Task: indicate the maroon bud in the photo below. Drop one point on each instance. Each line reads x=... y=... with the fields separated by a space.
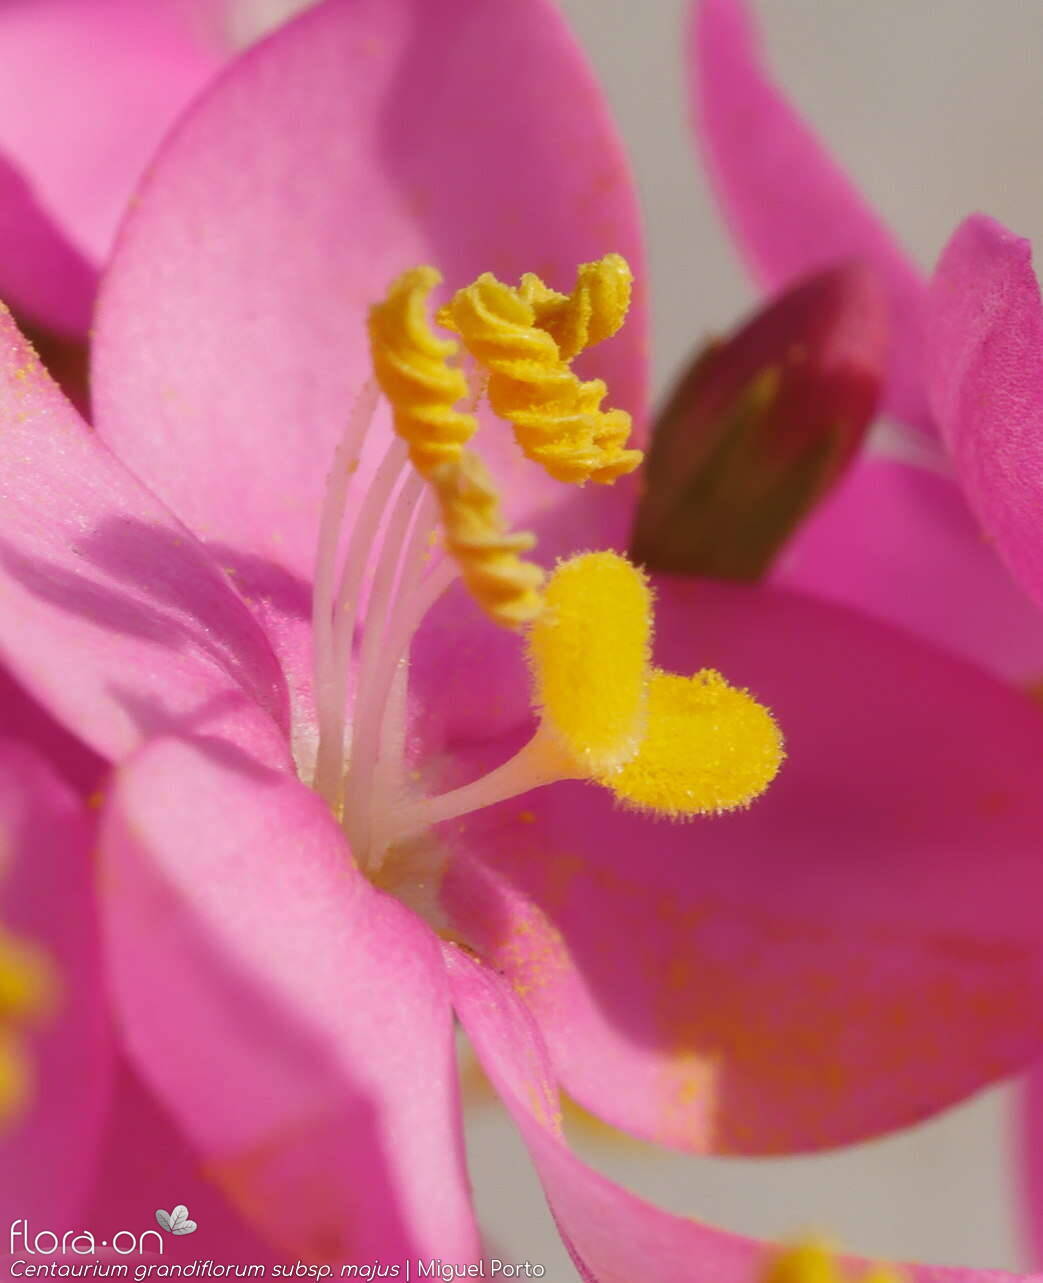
x=761 y=426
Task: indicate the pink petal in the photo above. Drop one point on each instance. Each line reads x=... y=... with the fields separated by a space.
x=361 y=139
x=899 y=542
x=42 y=274
x=23 y=718
x=87 y=93
x=985 y=363
x=613 y=1236
x=245 y=949
x=794 y=976
x=46 y=892
x=789 y=206
x=145 y=1164
x=113 y=616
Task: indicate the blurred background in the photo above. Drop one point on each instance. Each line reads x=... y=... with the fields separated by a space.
x=936 y=108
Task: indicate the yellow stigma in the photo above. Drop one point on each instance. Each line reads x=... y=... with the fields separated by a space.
x=812 y=1262
x=710 y=748
x=677 y=746
x=589 y=653
x=26 y=993
x=515 y=334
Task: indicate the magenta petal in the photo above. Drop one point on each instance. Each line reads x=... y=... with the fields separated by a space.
x=113 y=616
x=794 y=976
x=613 y=1236
x=790 y=208
x=293 y=1020
x=46 y=896
x=900 y=542
x=364 y=138
x=89 y=87
x=985 y=363
x=42 y=275
x=147 y=1163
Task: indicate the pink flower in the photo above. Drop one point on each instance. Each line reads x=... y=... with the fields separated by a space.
x=895 y=539
x=791 y=976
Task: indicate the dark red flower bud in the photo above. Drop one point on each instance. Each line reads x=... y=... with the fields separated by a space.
x=761 y=426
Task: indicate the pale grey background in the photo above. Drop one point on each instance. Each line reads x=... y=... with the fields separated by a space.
x=936 y=106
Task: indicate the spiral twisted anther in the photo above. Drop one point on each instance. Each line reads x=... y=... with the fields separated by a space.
x=412 y=366
x=557 y=418
x=489 y=556
x=593 y=312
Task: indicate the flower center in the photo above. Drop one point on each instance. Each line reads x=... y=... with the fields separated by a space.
x=26 y=991
x=669 y=744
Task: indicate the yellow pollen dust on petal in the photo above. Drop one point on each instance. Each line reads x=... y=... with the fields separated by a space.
x=27 y=990
x=710 y=747
x=811 y=1261
x=414 y=370
x=526 y=338
x=589 y=654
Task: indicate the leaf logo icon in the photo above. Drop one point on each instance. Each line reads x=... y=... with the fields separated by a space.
x=177 y=1221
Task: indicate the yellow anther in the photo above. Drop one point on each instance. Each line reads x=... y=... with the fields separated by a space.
x=812 y=1262
x=412 y=366
x=593 y=312
x=26 y=994
x=678 y=746
x=501 y=581
x=589 y=653
x=414 y=370
x=558 y=420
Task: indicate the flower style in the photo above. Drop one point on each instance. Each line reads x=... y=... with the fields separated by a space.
x=788 y=976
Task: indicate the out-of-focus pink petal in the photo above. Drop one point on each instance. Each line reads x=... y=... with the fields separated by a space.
x=42 y=275
x=293 y=1020
x=46 y=896
x=794 y=976
x=146 y=1163
x=88 y=90
x=985 y=369
x=361 y=139
x=111 y=613
x=898 y=540
x=613 y=1236
x=789 y=206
